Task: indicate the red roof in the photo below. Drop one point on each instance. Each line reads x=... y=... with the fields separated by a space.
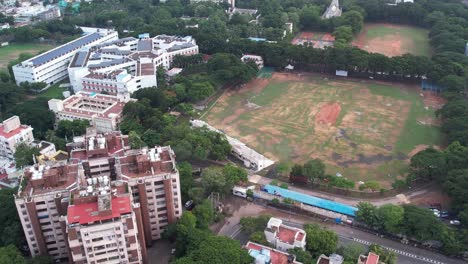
x=88 y=212
x=372 y=258
x=277 y=257
x=287 y=235
x=13 y=132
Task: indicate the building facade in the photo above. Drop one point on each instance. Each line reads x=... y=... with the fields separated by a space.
x=102 y=224
x=51 y=67
x=105 y=205
x=12 y=133
x=40 y=202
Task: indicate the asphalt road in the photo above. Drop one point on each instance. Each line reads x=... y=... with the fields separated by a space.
x=406 y=254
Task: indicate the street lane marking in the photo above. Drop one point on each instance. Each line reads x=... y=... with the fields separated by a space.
x=400 y=252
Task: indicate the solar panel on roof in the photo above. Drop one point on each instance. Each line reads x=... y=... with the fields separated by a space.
x=80 y=58
x=41 y=59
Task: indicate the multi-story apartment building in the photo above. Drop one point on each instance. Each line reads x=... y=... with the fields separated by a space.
x=104 y=224
x=11 y=134
x=154 y=180
x=103 y=112
x=126 y=65
x=139 y=189
x=51 y=66
x=41 y=200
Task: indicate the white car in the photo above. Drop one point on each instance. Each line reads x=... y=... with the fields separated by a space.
x=454 y=222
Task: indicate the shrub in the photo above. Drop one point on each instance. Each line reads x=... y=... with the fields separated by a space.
x=274 y=182
x=284 y=186
x=288 y=201
x=275 y=201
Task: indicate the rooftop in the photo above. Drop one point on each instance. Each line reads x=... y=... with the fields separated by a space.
x=64 y=49
x=12 y=127
x=285 y=233
x=261 y=252
x=147 y=162
x=87 y=213
x=43 y=179
x=89 y=104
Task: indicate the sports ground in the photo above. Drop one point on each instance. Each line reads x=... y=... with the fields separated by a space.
x=393 y=40
x=362 y=129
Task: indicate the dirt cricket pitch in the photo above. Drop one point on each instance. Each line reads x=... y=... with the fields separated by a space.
x=361 y=129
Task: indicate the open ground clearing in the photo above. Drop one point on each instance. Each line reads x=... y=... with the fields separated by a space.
x=393 y=40
x=364 y=130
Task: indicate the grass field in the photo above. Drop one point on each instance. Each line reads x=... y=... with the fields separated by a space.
x=361 y=129
x=12 y=51
x=394 y=40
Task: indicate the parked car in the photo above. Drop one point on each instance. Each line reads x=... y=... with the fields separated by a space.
x=189 y=205
x=454 y=222
x=444 y=214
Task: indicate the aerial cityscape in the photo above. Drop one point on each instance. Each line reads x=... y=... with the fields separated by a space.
x=237 y=132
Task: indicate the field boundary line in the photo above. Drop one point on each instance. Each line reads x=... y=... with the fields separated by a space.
x=212 y=105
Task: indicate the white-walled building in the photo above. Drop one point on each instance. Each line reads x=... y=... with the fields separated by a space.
x=51 y=66
x=255 y=58
x=126 y=65
x=251 y=158
x=12 y=132
x=333 y=10
x=266 y=255
x=104 y=112
x=284 y=237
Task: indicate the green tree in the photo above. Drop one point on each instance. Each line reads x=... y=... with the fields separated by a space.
x=391 y=217
x=463 y=215
x=186 y=178
x=421 y=223
x=367 y=214
x=213 y=180
x=251 y=225
x=69 y=129
x=197 y=194
x=320 y=241
x=351 y=251
x=344 y=34
x=218 y=250
x=301 y=255
x=428 y=164
x=135 y=140
x=10 y=254
x=456 y=185
x=314 y=169
x=297 y=170
x=11 y=231
x=354 y=20
x=24 y=154
x=204 y=213
x=258 y=237
x=234 y=174
x=385 y=256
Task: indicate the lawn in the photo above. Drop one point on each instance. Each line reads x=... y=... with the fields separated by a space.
x=53 y=92
x=12 y=51
x=361 y=129
x=394 y=40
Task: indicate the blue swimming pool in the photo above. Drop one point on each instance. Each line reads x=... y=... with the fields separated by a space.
x=312 y=200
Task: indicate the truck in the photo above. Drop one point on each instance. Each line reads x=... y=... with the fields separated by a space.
x=241 y=191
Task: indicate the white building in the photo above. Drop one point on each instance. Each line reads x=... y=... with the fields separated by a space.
x=255 y=58
x=51 y=66
x=126 y=65
x=333 y=10
x=251 y=158
x=266 y=255
x=104 y=112
x=284 y=237
x=11 y=134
